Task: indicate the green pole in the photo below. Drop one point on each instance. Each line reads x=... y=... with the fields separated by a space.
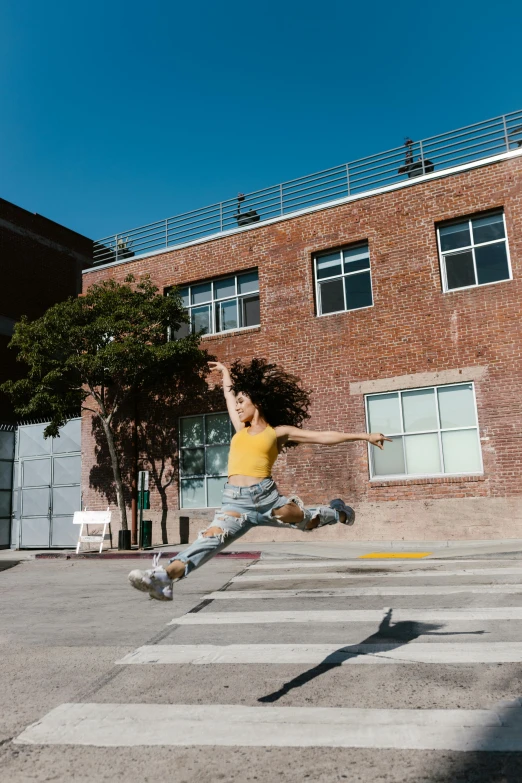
x=140 y=507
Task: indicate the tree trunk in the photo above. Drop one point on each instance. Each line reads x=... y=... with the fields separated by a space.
x=116 y=473
x=164 y=510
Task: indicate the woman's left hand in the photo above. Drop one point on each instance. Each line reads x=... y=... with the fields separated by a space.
x=377 y=439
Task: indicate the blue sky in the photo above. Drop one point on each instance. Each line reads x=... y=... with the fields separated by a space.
x=116 y=114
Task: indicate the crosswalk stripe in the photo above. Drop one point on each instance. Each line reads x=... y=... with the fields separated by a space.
x=269 y=565
x=350 y=616
x=130 y=725
x=387 y=575
x=414 y=652
x=342 y=592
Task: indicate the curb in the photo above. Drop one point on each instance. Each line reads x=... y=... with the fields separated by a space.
x=142 y=555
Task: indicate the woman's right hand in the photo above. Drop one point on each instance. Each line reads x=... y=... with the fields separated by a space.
x=216 y=366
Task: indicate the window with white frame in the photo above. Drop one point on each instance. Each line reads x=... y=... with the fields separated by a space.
x=474 y=252
x=343 y=280
x=204 y=442
x=222 y=305
x=434 y=431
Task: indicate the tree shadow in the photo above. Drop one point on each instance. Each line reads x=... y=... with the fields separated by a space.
x=387 y=637
x=492 y=755
x=157 y=413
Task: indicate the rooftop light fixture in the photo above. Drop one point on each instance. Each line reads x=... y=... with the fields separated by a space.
x=414 y=168
x=245 y=218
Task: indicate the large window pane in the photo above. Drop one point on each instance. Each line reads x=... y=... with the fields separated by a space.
x=422 y=453
x=332 y=296
x=183 y=331
x=226 y=315
x=207 y=464
x=456 y=406
x=459 y=269
x=356 y=258
x=193 y=462
x=419 y=411
x=384 y=414
x=193 y=493
x=217 y=459
x=492 y=263
x=452 y=237
x=247 y=284
x=201 y=293
x=461 y=451
x=358 y=291
x=390 y=461
x=251 y=315
x=489 y=228
x=218 y=428
x=215 y=491
x=201 y=319
x=225 y=288
x=192 y=431
x=329 y=266
x=184 y=292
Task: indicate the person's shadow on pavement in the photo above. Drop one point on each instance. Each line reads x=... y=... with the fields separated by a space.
x=387 y=637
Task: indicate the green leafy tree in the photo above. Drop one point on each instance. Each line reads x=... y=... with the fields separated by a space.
x=97 y=351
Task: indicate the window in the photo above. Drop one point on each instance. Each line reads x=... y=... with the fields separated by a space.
x=433 y=430
x=204 y=444
x=474 y=252
x=222 y=305
x=343 y=280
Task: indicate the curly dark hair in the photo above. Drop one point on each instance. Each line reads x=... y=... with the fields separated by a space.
x=277 y=394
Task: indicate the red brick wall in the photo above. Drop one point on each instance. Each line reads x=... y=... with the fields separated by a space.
x=412 y=328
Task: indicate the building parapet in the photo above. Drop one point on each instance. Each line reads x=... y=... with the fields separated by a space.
x=416 y=159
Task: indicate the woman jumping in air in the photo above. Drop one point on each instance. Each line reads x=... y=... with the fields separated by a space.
x=267 y=407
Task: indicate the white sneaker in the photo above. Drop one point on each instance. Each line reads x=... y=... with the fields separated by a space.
x=155 y=581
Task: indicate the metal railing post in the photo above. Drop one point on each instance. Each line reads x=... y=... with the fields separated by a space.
x=421 y=150
x=348 y=178
x=281 y=198
x=506 y=135
x=166 y=232
x=221 y=216
x=116 y=246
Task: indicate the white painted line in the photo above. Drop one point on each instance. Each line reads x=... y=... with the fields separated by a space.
x=414 y=652
x=131 y=725
x=350 y=616
x=389 y=575
x=267 y=565
x=342 y=592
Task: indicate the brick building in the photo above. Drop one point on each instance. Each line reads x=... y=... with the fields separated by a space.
x=41 y=264
x=397 y=301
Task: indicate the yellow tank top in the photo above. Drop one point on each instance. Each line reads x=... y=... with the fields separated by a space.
x=253 y=455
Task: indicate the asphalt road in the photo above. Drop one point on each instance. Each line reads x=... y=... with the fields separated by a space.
x=340 y=670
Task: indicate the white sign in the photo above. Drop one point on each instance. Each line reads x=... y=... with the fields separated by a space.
x=86 y=518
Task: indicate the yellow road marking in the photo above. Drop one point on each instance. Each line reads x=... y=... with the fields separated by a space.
x=383 y=555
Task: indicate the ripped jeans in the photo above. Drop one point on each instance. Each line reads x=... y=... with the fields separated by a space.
x=255 y=504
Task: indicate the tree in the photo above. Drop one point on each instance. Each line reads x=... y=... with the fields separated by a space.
x=96 y=352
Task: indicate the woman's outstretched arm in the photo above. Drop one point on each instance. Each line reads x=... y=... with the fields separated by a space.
x=329 y=438
x=230 y=397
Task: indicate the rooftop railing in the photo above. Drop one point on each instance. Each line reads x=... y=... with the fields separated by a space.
x=413 y=159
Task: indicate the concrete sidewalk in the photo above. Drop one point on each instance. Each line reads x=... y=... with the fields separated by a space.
x=348 y=550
